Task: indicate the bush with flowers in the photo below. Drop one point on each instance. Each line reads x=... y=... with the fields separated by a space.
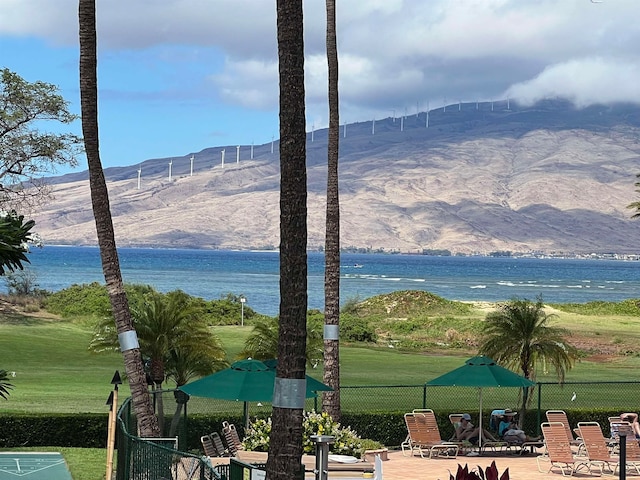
x=346 y=441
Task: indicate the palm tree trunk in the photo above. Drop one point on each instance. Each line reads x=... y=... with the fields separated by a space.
x=331 y=400
x=285 y=449
x=141 y=400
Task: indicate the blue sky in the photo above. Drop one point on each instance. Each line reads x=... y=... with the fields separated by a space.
x=177 y=76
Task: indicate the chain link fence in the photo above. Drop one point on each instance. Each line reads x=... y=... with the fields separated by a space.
x=199 y=416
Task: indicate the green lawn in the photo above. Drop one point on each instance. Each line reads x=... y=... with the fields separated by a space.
x=56 y=373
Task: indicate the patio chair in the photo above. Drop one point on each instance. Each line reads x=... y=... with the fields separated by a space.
x=423 y=433
x=614 y=425
x=559 y=453
x=596 y=447
x=561 y=416
x=231 y=438
x=498 y=445
x=217 y=443
x=633 y=447
x=208 y=446
x=454 y=418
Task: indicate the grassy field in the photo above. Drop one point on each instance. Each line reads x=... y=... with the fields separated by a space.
x=55 y=372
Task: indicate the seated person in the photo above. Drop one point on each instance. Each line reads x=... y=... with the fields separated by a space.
x=467 y=431
x=632 y=418
x=509 y=431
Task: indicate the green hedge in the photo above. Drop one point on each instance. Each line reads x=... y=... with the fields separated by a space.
x=90 y=430
x=54 y=430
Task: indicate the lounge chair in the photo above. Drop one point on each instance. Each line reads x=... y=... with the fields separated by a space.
x=423 y=433
x=454 y=418
x=596 y=447
x=208 y=446
x=559 y=453
x=519 y=446
x=231 y=438
x=561 y=416
x=633 y=447
x=217 y=443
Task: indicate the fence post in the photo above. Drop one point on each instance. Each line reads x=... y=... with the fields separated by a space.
x=539 y=414
x=424 y=396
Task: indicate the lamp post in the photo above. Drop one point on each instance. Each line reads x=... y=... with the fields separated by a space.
x=242 y=301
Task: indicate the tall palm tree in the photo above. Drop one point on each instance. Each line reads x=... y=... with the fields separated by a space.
x=519 y=336
x=5 y=386
x=147 y=421
x=331 y=400
x=285 y=448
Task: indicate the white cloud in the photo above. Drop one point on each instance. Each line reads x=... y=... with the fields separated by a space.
x=249 y=83
x=584 y=81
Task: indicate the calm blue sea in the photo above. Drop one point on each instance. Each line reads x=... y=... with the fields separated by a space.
x=211 y=274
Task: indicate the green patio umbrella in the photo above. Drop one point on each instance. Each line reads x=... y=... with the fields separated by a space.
x=481 y=372
x=313 y=385
x=245 y=381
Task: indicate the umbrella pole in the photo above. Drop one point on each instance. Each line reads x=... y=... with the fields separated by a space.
x=480 y=422
x=246 y=416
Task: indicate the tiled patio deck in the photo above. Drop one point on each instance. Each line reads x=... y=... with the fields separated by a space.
x=524 y=467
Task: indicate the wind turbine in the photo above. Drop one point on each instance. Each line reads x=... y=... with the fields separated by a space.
x=222 y=153
x=427 y=121
x=251 y=149
x=170 y=163
x=272 y=144
x=139 y=172
x=191 y=171
x=373 y=127
x=237 y=154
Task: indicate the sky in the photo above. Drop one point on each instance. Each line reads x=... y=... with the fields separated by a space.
x=178 y=76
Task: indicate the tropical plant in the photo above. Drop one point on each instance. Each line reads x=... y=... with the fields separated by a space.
x=519 y=336
x=285 y=449
x=174 y=341
x=262 y=343
x=331 y=377
x=5 y=386
x=15 y=234
x=491 y=473
x=142 y=406
x=347 y=442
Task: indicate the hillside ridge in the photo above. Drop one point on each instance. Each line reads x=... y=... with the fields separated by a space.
x=547 y=178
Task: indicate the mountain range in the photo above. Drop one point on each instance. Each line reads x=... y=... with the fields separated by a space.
x=470 y=178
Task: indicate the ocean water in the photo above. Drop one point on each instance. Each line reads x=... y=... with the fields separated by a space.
x=211 y=274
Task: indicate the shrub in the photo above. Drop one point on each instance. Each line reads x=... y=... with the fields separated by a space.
x=354 y=329
x=346 y=441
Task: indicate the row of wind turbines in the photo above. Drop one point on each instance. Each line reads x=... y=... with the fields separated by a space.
x=373 y=131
